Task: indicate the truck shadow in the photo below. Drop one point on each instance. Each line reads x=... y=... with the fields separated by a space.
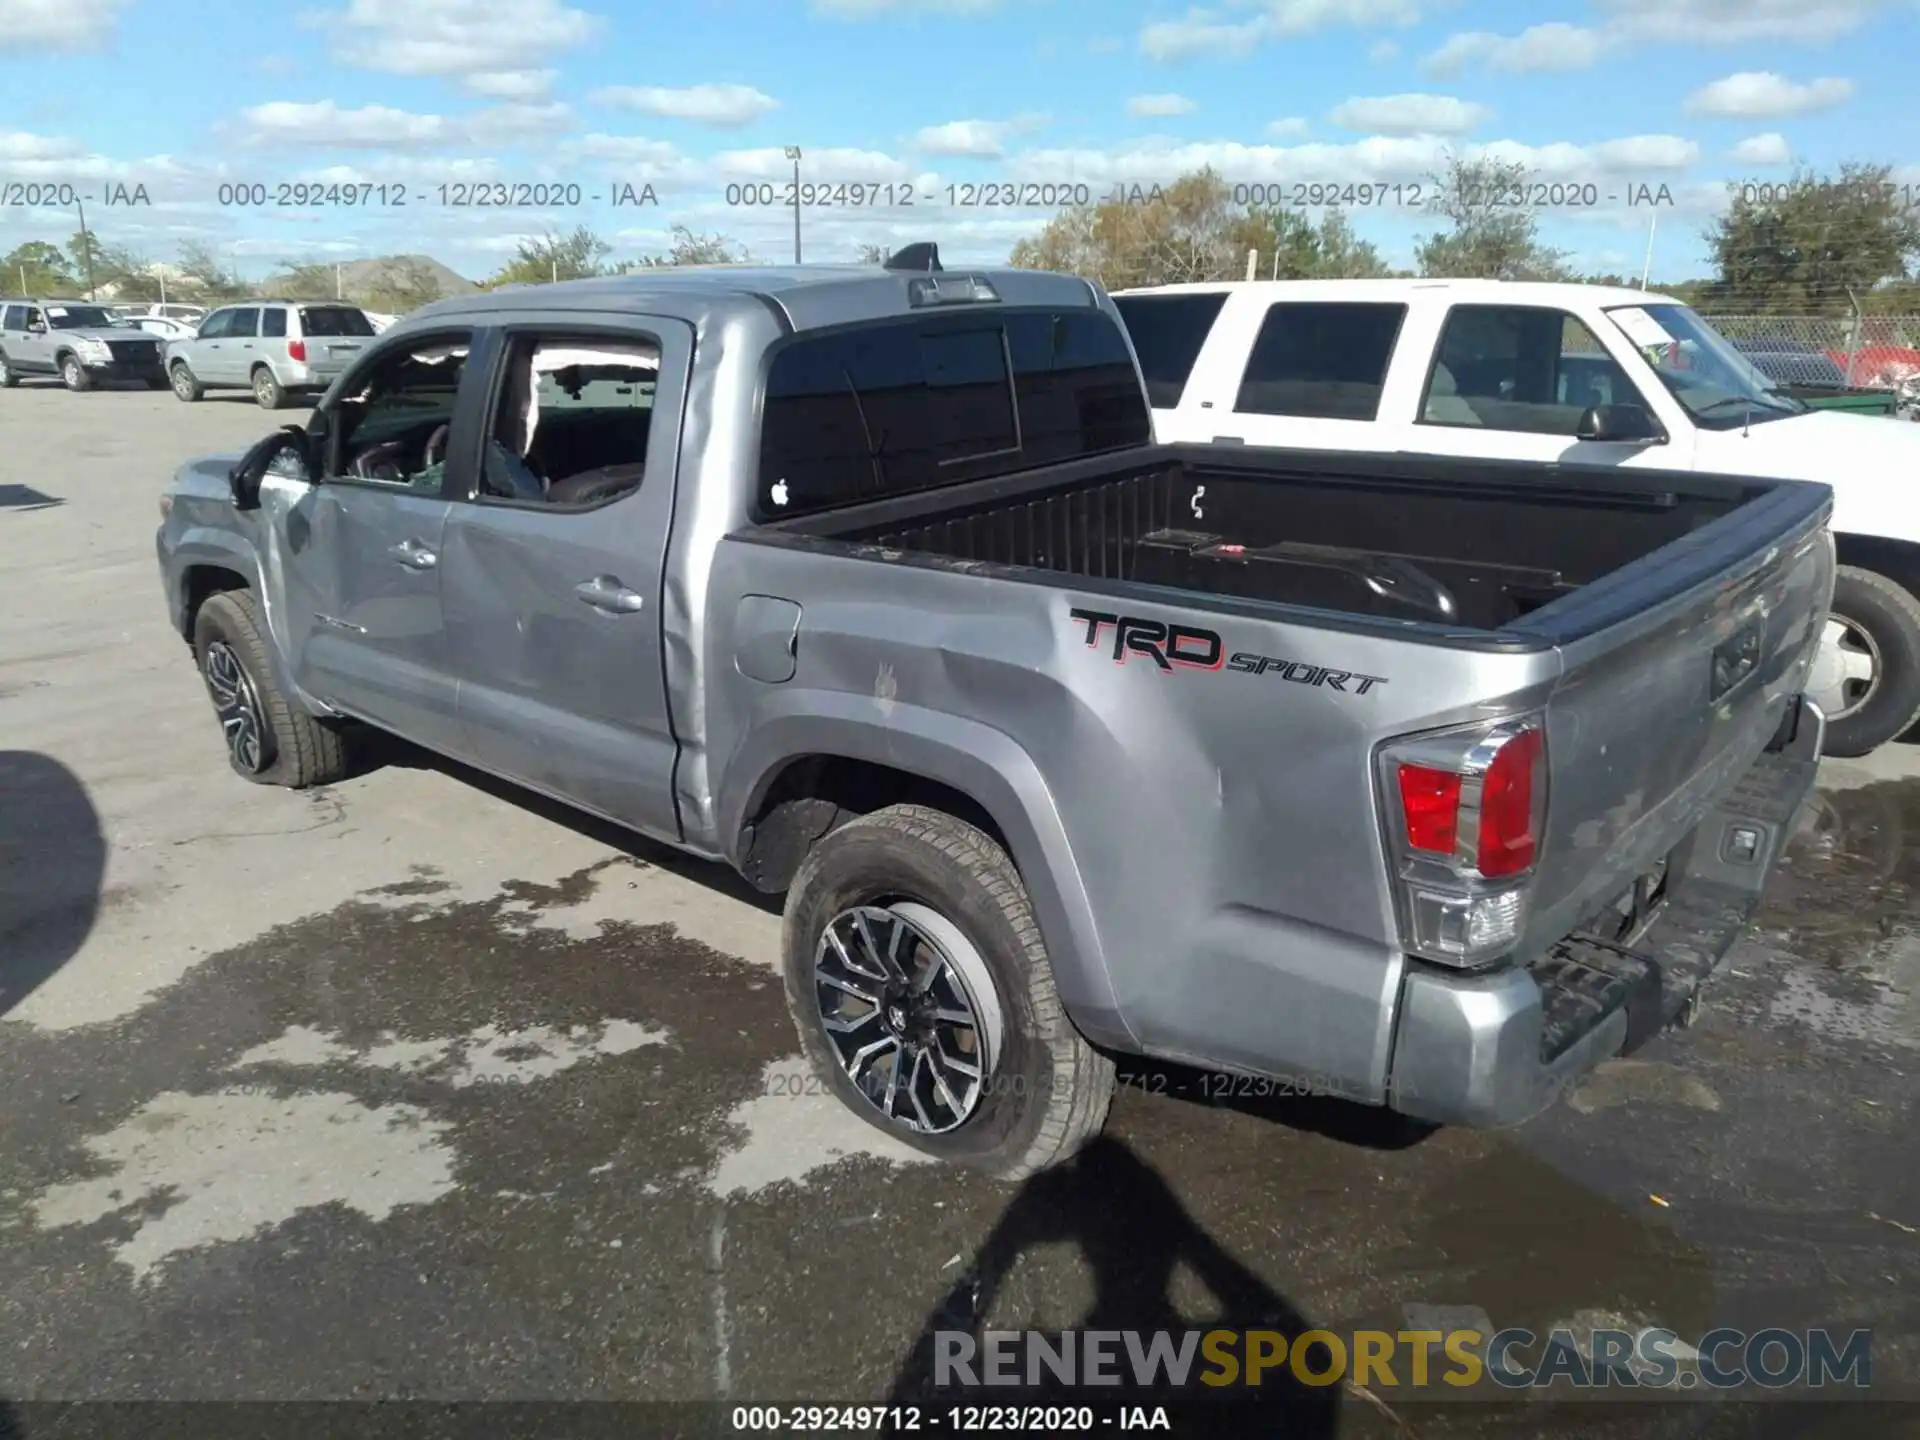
x=1278 y=1102
x=379 y=749
x=53 y=861
x=1133 y=1235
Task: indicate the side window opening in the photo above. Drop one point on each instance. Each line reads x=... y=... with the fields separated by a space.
x=1320 y=360
x=395 y=426
x=1168 y=332
x=572 y=422
x=1532 y=371
x=273 y=322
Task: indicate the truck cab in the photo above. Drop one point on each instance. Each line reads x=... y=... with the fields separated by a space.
x=1555 y=374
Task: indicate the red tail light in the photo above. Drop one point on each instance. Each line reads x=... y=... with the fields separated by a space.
x=1507 y=842
x=1471 y=804
x=1430 y=800
x=297 y=350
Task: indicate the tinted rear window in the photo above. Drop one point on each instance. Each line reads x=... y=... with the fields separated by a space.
x=273 y=322
x=1324 y=361
x=334 y=320
x=904 y=406
x=1167 y=333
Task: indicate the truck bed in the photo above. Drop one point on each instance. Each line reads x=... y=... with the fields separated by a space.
x=1465 y=544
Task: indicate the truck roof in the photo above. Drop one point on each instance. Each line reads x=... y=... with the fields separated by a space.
x=806 y=296
x=1493 y=292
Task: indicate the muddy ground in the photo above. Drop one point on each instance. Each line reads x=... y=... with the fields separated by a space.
x=415 y=1088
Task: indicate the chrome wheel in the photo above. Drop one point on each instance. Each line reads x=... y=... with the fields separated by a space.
x=1846 y=668
x=237 y=705
x=263 y=390
x=910 y=1011
x=6 y=375
x=182 y=382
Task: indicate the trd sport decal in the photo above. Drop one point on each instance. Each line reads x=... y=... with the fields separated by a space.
x=1191 y=648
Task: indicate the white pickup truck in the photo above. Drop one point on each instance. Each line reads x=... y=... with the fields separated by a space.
x=1572 y=373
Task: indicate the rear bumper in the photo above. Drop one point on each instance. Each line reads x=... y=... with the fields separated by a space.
x=1496 y=1049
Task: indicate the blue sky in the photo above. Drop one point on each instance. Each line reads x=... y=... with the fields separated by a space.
x=694 y=96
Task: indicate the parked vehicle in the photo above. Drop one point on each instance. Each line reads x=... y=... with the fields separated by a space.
x=1555 y=374
x=379 y=321
x=79 y=342
x=1432 y=783
x=1817 y=381
x=166 y=329
x=276 y=348
x=188 y=315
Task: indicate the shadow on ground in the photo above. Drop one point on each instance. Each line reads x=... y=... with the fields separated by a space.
x=53 y=860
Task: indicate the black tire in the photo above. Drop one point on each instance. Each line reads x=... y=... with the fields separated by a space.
x=185 y=387
x=9 y=377
x=74 y=375
x=268 y=392
x=1047 y=1091
x=1890 y=617
x=294 y=749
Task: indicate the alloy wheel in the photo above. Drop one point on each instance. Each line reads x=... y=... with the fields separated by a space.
x=908 y=1006
x=237 y=704
x=1846 y=668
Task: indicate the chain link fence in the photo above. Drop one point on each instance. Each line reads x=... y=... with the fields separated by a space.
x=1875 y=352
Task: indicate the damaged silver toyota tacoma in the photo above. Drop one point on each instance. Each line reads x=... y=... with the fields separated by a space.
x=1429 y=782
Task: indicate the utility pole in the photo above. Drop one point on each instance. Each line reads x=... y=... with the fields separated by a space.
x=86 y=245
x=1646 y=269
x=793 y=154
x=338 y=283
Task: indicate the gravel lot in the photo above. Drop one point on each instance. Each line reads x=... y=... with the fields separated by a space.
x=416 y=1087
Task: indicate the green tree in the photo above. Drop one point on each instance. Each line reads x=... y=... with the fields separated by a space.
x=692 y=248
x=1190 y=230
x=132 y=276
x=304 y=281
x=405 y=283
x=212 y=278
x=578 y=256
x=37 y=268
x=1490 y=237
x=1814 y=243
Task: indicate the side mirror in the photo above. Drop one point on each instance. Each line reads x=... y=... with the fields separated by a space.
x=1618 y=425
x=285 y=452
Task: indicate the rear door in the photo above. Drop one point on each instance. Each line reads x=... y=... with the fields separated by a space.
x=239 y=347
x=334 y=336
x=1306 y=373
x=207 y=351
x=554 y=563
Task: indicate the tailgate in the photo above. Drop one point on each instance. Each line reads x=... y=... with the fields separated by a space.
x=330 y=357
x=1678 y=671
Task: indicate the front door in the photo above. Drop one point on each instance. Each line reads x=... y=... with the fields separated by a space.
x=31 y=346
x=552 y=568
x=363 y=547
x=235 y=351
x=1511 y=382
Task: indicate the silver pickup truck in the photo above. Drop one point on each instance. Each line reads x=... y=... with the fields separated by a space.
x=1424 y=782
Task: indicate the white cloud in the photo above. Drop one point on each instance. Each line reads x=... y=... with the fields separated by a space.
x=72 y=26
x=1768 y=149
x=1557 y=46
x=453 y=37
x=869 y=9
x=1764 y=95
x=1291 y=127
x=510 y=84
x=320 y=125
x=20 y=145
x=727 y=106
x=1145 y=105
x=1207 y=32
x=1410 y=115
x=1381 y=51
x=986 y=138
x=1539 y=48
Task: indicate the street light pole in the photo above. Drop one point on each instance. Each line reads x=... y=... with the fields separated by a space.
x=793 y=154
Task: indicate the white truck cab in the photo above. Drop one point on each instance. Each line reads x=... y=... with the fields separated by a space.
x=1584 y=374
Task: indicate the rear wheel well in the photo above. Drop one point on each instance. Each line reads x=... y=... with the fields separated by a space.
x=200 y=584
x=1898 y=560
x=817 y=793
